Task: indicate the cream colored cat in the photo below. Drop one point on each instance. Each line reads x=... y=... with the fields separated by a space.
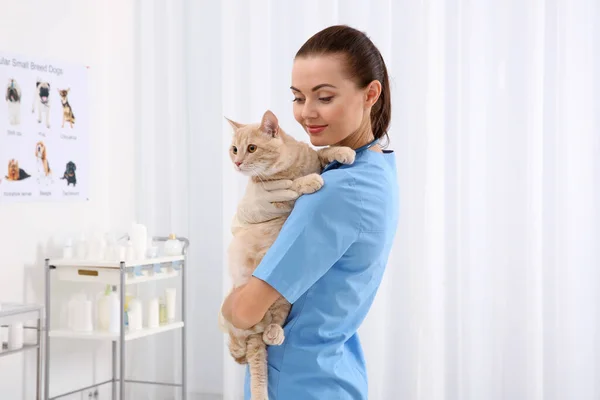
x=287 y=168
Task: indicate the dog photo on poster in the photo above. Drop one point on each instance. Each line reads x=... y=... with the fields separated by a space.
x=43 y=130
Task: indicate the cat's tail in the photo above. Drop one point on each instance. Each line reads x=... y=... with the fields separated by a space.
x=256 y=354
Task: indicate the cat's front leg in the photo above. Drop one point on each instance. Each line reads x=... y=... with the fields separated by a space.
x=276 y=184
x=265 y=201
x=304 y=185
x=307 y=184
x=341 y=154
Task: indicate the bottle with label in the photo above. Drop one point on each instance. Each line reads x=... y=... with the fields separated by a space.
x=162 y=315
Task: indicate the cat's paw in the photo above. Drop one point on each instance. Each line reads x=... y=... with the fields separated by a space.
x=344 y=155
x=308 y=184
x=273 y=335
x=283 y=206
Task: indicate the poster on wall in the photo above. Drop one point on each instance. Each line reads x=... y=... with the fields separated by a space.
x=44 y=132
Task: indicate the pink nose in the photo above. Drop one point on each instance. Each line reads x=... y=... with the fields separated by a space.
x=237 y=163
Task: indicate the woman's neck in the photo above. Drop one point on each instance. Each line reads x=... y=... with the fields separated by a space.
x=362 y=136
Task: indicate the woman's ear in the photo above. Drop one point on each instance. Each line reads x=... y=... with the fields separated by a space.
x=372 y=93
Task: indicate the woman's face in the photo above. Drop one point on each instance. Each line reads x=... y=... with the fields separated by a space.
x=329 y=106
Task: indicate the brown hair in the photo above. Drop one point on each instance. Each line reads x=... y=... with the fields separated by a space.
x=364 y=64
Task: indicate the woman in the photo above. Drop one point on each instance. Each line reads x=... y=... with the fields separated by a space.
x=330 y=255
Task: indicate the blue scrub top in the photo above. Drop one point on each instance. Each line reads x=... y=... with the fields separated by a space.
x=328 y=261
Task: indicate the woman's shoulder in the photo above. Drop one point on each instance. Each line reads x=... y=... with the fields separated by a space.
x=339 y=191
x=352 y=188
x=372 y=184
x=371 y=172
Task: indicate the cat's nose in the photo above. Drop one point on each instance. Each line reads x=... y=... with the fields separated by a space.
x=237 y=163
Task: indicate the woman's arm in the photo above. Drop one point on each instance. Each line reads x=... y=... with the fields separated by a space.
x=247 y=305
x=320 y=229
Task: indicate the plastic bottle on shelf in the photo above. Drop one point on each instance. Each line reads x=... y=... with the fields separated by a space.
x=139 y=239
x=130 y=252
x=135 y=315
x=115 y=311
x=81 y=248
x=162 y=318
x=104 y=310
x=68 y=249
x=173 y=246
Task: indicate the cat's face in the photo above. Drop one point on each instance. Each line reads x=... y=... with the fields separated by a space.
x=256 y=148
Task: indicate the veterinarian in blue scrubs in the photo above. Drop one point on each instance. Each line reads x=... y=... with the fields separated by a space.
x=331 y=254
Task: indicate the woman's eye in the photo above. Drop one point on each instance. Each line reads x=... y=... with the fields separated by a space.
x=326 y=99
x=234 y=149
x=252 y=148
x=298 y=100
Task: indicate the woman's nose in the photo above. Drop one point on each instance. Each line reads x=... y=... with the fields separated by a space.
x=309 y=112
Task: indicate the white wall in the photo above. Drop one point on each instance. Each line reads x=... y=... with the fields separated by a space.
x=98 y=34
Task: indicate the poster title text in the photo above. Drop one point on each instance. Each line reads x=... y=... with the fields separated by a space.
x=5 y=62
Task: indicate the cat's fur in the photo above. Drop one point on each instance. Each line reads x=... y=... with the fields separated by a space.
x=270 y=158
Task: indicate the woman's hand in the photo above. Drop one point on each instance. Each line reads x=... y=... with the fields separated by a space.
x=265 y=201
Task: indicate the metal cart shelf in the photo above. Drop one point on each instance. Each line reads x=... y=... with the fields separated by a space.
x=13 y=312
x=120 y=274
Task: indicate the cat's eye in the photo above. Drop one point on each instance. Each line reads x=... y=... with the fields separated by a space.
x=252 y=148
x=234 y=149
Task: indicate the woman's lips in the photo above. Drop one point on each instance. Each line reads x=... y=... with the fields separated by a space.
x=314 y=129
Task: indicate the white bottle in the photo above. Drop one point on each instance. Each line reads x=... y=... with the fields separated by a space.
x=130 y=252
x=135 y=315
x=139 y=239
x=115 y=312
x=152 y=319
x=172 y=246
x=171 y=297
x=15 y=336
x=68 y=249
x=103 y=311
x=81 y=248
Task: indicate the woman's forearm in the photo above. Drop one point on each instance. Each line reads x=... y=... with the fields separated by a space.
x=236 y=310
x=246 y=305
x=227 y=309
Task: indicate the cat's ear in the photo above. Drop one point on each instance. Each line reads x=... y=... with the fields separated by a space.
x=269 y=124
x=234 y=125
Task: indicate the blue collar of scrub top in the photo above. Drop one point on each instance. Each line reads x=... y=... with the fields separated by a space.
x=359 y=150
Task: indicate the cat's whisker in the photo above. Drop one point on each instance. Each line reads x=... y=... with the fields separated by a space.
x=256 y=172
x=260 y=175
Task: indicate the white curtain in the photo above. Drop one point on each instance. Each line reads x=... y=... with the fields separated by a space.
x=492 y=289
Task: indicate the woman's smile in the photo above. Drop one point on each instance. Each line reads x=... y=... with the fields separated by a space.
x=315 y=129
